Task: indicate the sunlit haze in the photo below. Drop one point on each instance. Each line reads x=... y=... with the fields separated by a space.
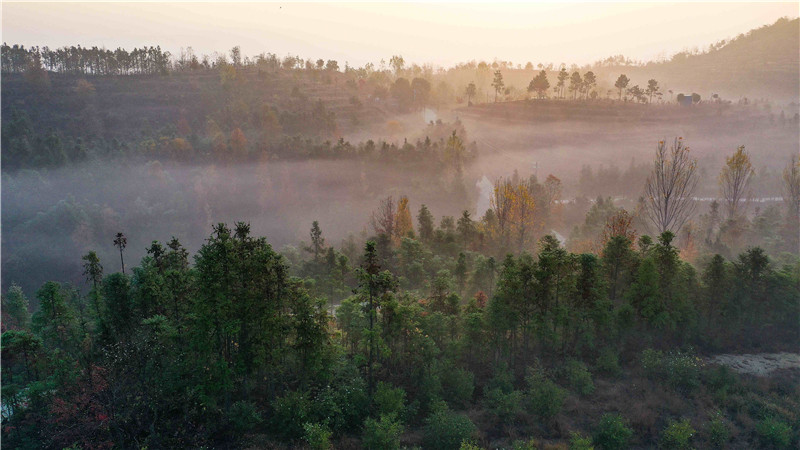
x=440 y=34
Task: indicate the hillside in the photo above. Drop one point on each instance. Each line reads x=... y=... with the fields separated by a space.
x=764 y=62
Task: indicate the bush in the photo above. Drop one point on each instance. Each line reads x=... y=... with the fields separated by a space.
x=774 y=433
x=382 y=434
x=469 y=445
x=608 y=363
x=612 y=433
x=544 y=398
x=290 y=412
x=680 y=370
x=244 y=416
x=578 y=377
x=445 y=429
x=677 y=435
x=718 y=432
x=505 y=406
x=524 y=445
x=317 y=435
x=458 y=386
x=578 y=441
x=390 y=400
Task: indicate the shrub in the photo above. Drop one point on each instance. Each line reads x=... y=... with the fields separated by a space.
x=677 y=435
x=290 y=412
x=530 y=444
x=382 y=434
x=608 y=363
x=544 y=397
x=774 y=433
x=445 y=429
x=718 y=432
x=680 y=370
x=612 y=433
x=458 y=386
x=317 y=435
x=390 y=400
x=469 y=445
x=506 y=406
x=579 y=378
x=244 y=416
x=578 y=441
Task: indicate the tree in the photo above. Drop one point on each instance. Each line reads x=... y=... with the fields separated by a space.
x=470 y=92
x=562 y=79
x=651 y=90
x=397 y=62
x=670 y=186
x=93 y=272
x=120 y=241
x=497 y=83
x=15 y=309
x=734 y=179
x=465 y=227
x=425 y=224
x=791 y=185
x=317 y=241
x=401 y=91
x=539 y=84
x=589 y=82
x=420 y=91
x=403 y=224
x=383 y=220
x=575 y=84
x=621 y=84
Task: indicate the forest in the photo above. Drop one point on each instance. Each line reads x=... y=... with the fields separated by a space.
x=256 y=251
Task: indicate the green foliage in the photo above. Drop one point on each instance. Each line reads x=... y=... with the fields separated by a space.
x=383 y=433
x=446 y=430
x=543 y=397
x=289 y=413
x=578 y=441
x=317 y=435
x=530 y=444
x=244 y=416
x=677 y=435
x=773 y=433
x=612 y=433
x=389 y=400
x=608 y=362
x=717 y=430
x=678 y=369
x=578 y=377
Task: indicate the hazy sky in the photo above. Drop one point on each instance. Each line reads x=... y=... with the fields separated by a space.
x=441 y=34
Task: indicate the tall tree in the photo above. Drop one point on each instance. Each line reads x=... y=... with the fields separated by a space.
x=670 y=186
x=575 y=84
x=589 y=82
x=791 y=185
x=317 y=246
x=425 y=224
x=93 y=272
x=562 y=80
x=497 y=83
x=120 y=241
x=470 y=91
x=403 y=224
x=621 y=84
x=651 y=90
x=734 y=179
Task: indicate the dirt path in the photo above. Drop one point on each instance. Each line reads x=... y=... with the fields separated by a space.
x=759 y=364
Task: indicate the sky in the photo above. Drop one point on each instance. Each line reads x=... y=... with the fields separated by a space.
x=441 y=34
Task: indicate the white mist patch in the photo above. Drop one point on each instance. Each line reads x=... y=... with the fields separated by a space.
x=486 y=189
x=429 y=115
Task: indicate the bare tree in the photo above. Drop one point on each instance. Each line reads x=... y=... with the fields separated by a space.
x=669 y=188
x=734 y=180
x=383 y=220
x=791 y=184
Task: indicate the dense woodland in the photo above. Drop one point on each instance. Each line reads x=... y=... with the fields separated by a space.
x=562 y=313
